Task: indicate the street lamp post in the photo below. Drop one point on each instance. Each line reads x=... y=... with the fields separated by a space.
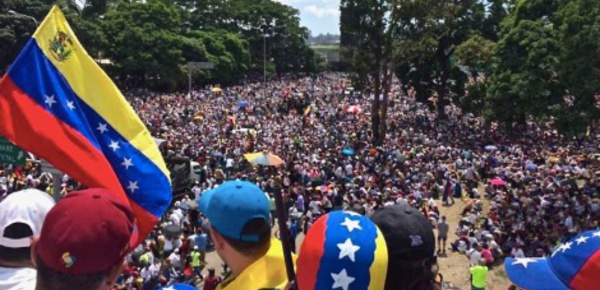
x=15 y=13
x=264 y=57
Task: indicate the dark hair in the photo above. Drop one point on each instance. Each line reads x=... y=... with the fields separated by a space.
x=420 y=278
x=51 y=279
x=15 y=254
x=16 y=231
x=256 y=226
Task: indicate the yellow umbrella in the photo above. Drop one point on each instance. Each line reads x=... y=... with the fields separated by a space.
x=264 y=158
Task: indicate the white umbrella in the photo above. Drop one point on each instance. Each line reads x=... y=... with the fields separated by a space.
x=490 y=148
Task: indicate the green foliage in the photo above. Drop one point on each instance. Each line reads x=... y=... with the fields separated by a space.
x=476 y=53
x=150 y=42
x=547 y=65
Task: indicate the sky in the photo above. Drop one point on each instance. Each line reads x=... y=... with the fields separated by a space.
x=320 y=16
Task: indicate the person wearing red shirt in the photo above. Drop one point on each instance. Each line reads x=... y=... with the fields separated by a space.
x=211 y=281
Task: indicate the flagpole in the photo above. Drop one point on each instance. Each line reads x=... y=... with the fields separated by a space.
x=284 y=231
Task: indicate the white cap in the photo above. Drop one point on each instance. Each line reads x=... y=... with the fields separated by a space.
x=29 y=207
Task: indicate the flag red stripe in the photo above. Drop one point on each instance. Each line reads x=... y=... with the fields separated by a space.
x=309 y=262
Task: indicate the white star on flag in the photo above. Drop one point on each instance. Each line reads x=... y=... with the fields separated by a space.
x=581 y=240
x=49 y=100
x=596 y=234
x=341 y=280
x=347 y=249
x=71 y=105
x=351 y=225
x=114 y=145
x=127 y=163
x=102 y=128
x=133 y=186
x=169 y=288
x=524 y=262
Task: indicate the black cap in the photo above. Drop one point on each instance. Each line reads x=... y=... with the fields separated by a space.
x=408 y=235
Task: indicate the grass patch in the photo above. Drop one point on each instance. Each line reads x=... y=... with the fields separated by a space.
x=325 y=47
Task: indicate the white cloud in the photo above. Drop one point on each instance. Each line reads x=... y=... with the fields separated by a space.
x=322 y=12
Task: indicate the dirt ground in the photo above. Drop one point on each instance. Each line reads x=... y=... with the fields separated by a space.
x=453 y=266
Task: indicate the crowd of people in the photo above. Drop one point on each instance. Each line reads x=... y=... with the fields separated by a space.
x=542 y=189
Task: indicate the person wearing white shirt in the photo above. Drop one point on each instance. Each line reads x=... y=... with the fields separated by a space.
x=174 y=258
x=517 y=252
x=474 y=255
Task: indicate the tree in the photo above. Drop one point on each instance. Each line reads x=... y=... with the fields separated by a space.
x=368 y=29
x=546 y=65
x=16 y=30
x=578 y=69
x=476 y=57
x=429 y=33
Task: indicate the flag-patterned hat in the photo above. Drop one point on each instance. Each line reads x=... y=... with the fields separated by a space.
x=342 y=250
x=574 y=265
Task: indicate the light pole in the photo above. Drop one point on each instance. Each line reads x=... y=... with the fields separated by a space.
x=15 y=13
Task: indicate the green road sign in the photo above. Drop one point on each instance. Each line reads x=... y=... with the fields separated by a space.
x=11 y=154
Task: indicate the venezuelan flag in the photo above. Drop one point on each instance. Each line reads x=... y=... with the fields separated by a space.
x=342 y=250
x=57 y=103
x=307 y=110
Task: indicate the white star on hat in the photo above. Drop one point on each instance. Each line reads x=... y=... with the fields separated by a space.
x=351 y=224
x=581 y=240
x=563 y=248
x=596 y=234
x=341 y=280
x=170 y=288
x=347 y=249
x=523 y=262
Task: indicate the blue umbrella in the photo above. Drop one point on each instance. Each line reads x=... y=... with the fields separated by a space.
x=243 y=104
x=179 y=286
x=531 y=166
x=348 y=152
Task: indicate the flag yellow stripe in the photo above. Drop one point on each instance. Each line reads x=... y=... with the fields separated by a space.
x=95 y=88
x=378 y=269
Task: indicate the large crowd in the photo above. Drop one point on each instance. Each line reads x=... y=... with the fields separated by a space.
x=540 y=188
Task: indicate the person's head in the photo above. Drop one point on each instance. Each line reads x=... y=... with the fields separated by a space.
x=411 y=246
x=238 y=213
x=22 y=214
x=83 y=242
x=342 y=244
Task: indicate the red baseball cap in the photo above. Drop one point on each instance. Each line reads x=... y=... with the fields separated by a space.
x=87 y=232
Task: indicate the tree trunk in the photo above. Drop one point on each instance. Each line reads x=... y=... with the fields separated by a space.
x=442 y=58
x=375 y=112
x=388 y=75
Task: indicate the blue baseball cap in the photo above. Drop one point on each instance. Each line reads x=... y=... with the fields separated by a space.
x=574 y=265
x=204 y=199
x=232 y=205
